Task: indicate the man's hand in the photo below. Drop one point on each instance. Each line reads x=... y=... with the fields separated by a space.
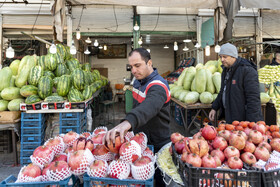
x=212 y=115
x=121 y=129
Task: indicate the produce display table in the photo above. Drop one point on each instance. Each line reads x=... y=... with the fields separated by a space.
x=201 y=110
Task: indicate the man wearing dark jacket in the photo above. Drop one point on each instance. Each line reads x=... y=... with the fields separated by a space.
x=276 y=60
x=239 y=96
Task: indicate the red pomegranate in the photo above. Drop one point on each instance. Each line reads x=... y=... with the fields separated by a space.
x=208 y=162
x=235 y=163
x=53 y=142
x=197 y=135
x=86 y=134
x=98 y=138
x=237 y=141
x=197 y=146
x=179 y=146
x=260 y=127
x=58 y=166
x=139 y=139
x=69 y=149
x=98 y=168
x=217 y=160
x=218 y=153
x=242 y=133
x=99 y=131
x=100 y=150
x=144 y=160
x=147 y=151
x=119 y=169
x=249 y=147
x=256 y=137
x=60 y=158
x=266 y=145
x=184 y=156
x=76 y=159
x=79 y=144
x=209 y=132
x=219 y=142
x=225 y=134
x=31 y=170
x=247 y=131
x=89 y=145
x=175 y=137
x=275 y=142
x=70 y=137
x=42 y=151
x=130 y=152
x=45 y=169
x=114 y=148
x=262 y=153
x=231 y=151
x=194 y=160
x=248 y=158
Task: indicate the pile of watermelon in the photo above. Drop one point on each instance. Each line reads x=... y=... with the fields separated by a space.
x=50 y=78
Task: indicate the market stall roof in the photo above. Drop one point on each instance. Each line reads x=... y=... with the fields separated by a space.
x=267 y=4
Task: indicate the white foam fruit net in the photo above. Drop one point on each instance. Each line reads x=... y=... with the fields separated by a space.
x=72 y=142
x=130 y=152
x=89 y=137
x=107 y=157
x=100 y=172
x=85 y=162
x=144 y=172
x=144 y=143
x=98 y=128
x=59 y=148
x=129 y=135
x=42 y=161
x=24 y=178
x=119 y=169
x=59 y=175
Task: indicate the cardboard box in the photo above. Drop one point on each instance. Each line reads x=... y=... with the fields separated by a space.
x=9 y=117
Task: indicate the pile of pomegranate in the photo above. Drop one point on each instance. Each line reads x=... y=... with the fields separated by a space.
x=73 y=153
x=231 y=146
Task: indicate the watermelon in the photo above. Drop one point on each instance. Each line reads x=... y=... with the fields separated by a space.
x=78 y=79
x=51 y=61
x=59 y=58
x=14 y=105
x=35 y=74
x=41 y=62
x=75 y=95
x=28 y=90
x=72 y=64
x=23 y=74
x=64 y=85
x=61 y=51
x=87 y=78
x=68 y=54
x=86 y=67
x=11 y=93
x=87 y=93
x=45 y=86
x=96 y=72
x=61 y=70
x=32 y=99
x=54 y=94
x=94 y=88
x=14 y=66
x=55 y=81
x=3 y=105
x=5 y=77
x=22 y=63
x=49 y=74
x=54 y=99
x=12 y=81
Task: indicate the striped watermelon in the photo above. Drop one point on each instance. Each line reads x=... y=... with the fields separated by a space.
x=49 y=74
x=61 y=70
x=96 y=72
x=68 y=54
x=61 y=51
x=55 y=81
x=72 y=64
x=28 y=90
x=51 y=61
x=94 y=88
x=87 y=93
x=86 y=67
x=41 y=62
x=78 y=79
x=32 y=99
x=54 y=99
x=75 y=95
x=35 y=74
x=45 y=86
x=87 y=78
x=59 y=58
x=64 y=85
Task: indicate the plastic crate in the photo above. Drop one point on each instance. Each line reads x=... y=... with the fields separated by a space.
x=73 y=115
x=32 y=130
x=71 y=181
x=194 y=176
x=26 y=150
x=24 y=160
x=77 y=129
x=33 y=138
x=6 y=145
x=32 y=117
x=271 y=178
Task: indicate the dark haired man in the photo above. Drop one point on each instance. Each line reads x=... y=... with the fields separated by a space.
x=151 y=112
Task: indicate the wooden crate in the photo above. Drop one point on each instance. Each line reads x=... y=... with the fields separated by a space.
x=9 y=117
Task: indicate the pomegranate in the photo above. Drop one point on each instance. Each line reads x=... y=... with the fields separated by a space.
x=256 y=137
x=100 y=150
x=53 y=142
x=208 y=162
x=119 y=169
x=217 y=160
x=79 y=144
x=194 y=160
x=231 y=151
x=219 y=142
x=42 y=151
x=275 y=142
x=97 y=139
x=262 y=153
x=76 y=159
x=249 y=147
x=210 y=146
x=99 y=131
x=225 y=134
x=175 y=137
x=179 y=146
x=31 y=170
x=209 y=132
x=89 y=145
x=218 y=153
x=144 y=160
x=197 y=135
x=266 y=145
x=58 y=166
x=147 y=151
x=86 y=134
x=200 y=147
x=247 y=131
x=130 y=151
x=248 y=158
x=235 y=123
x=237 y=141
x=45 y=169
x=60 y=158
x=114 y=148
x=241 y=133
x=260 y=127
x=70 y=137
x=98 y=168
x=139 y=139
x=184 y=156
x=235 y=163
x=69 y=149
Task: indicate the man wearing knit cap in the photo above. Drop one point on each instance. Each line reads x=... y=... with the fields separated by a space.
x=239 y=96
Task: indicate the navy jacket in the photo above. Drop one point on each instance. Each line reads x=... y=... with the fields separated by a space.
x=242 y=93
x=274 y=63
x=151 y=111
